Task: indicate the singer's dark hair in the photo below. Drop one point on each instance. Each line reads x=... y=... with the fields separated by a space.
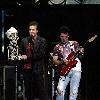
x=34 y=23
x=64 y=29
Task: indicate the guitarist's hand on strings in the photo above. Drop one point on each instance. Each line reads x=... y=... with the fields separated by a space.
x=66 y=61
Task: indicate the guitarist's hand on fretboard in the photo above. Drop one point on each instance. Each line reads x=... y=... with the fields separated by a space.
x=81 y=50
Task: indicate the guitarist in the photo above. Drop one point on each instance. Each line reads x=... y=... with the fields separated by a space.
x=60 y=54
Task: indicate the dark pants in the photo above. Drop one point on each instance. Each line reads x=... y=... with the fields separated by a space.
x=39 y=87
x=35 y=86
x=27 y=82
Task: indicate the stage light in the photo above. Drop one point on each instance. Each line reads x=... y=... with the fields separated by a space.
x=53 y=2
x=65 y=2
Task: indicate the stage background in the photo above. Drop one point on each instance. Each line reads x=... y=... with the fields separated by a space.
x=83 y=21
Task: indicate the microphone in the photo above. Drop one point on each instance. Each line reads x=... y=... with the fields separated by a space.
x=30 y=39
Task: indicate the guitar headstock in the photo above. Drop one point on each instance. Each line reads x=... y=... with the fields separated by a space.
x=92 y=38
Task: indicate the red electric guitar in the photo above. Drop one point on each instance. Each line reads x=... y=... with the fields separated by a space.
x=65 y=69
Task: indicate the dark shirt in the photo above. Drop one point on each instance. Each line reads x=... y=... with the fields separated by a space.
x=35 y=53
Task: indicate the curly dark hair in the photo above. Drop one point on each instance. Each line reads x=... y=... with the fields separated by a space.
x=64 y=29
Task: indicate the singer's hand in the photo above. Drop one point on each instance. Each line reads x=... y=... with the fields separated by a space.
x=24 y=57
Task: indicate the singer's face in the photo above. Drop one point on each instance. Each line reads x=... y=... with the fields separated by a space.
x=33 y=31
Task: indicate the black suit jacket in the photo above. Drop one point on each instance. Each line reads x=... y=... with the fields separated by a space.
x=37 y=56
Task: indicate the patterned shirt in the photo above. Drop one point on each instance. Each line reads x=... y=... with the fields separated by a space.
x=63 y=50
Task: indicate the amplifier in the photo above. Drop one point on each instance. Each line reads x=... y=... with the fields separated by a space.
x=9 y=82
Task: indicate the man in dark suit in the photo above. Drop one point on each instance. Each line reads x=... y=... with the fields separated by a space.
x=33 y=50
